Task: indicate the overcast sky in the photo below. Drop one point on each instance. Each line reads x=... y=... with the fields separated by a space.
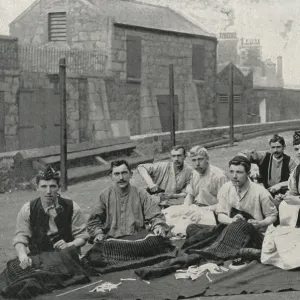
x=275 y=22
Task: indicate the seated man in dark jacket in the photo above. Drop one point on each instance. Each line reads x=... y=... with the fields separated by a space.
x=275 y=166
x=49 y=222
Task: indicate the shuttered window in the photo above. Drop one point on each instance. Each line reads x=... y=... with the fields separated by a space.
x=223 y=98
x=198 y=62
x=57 y=27
x=134 y=56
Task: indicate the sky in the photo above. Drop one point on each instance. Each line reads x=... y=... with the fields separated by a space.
x=275 y=22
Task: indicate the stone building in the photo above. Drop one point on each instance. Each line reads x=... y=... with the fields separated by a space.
x=139 y=41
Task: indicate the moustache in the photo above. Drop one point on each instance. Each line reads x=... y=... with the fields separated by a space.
x=122 y=181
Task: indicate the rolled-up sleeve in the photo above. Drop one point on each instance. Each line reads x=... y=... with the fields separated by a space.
x=267 y=205
x=223 y=206
x=97 y=219
x=23 y=230
x=79 y=223
x=255 y=157
x=292 y=185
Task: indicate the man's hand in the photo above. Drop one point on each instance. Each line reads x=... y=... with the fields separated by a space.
x=278 y=199
x=61 y=244
x=25 y=261
x=275 y=188
x=159 y=230
x=237 y=217
x=166 y=196
x=153 y=188
x=99 y=237
x=255 y=223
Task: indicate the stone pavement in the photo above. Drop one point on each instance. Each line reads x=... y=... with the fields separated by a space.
x=86 y=195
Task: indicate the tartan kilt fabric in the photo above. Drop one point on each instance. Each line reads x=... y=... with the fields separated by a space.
x=49 y=271
x=115 y=254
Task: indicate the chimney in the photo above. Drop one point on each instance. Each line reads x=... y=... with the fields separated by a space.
x=279 y=66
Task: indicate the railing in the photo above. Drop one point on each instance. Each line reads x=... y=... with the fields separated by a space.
x=46 y=60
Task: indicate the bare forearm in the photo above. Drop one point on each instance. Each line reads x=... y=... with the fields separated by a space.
x=143 y=172
x=292 y=199
x=79 y=242
x=21 y=250
x=268 y=221
x=224 y=219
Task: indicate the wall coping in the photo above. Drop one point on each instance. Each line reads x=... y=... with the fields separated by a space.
x=149 y=135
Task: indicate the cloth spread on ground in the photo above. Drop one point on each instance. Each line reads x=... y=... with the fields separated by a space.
x=49 y=271
x=254 y=278
x=207 y=243
x=179 y=217
x=116 y=254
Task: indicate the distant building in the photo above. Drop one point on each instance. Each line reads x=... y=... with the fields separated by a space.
x=228 y=48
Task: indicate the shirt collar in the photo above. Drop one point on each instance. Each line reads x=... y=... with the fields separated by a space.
x=242 y=191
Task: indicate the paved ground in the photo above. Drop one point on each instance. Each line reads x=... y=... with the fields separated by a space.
x=86 y=195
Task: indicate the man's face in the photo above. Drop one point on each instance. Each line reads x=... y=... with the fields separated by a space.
x=178 y=157
x=277 y=149
x=200 y=163
x=121 y=176
x=297 y=150
x=48 y=190
x=238 y=175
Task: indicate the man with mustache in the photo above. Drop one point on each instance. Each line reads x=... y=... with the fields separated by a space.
x=49 y=222
x=275 y=166
x=124 y=209
x=171 y=177
x=242 y=199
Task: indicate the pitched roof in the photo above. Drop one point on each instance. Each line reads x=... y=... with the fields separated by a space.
x=134 y=13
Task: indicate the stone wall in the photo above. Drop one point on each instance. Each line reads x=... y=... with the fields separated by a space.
x=9 y=88
x=197 y=99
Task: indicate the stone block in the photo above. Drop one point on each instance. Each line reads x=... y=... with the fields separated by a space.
x=13 y=109
x=74 y=115
x=10 y=120
x=100 y=135
x=122 y=56
x=116 y=66
x=11 y=130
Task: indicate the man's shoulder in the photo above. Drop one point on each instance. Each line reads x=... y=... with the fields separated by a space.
x=107 y=191
x=257 y=187
x=218 y=172
x=226 y=186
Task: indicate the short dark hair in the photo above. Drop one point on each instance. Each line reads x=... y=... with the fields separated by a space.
x=277 y=138
x=240 y=160
x=118 y=163
x=178 y=147
x=48 y=174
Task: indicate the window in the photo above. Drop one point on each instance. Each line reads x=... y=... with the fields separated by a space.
x=134 y=56
x=223 y=98
x=57 y=27
x=198 y=62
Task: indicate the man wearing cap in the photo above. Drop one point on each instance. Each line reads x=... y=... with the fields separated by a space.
x=206 y=180
x=242 y=199
x=49 y=222
x=171 y=177
x=275 y=166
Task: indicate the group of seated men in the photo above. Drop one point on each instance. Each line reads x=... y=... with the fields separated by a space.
x=52 y=222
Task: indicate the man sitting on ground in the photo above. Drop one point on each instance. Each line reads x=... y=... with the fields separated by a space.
x=275 y=166
x=124 y=209
x=242 y=199
x=206 y=180
x=49 y=222
x=170 y=177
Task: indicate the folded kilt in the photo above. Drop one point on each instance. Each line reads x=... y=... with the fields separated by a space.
x=115 y=254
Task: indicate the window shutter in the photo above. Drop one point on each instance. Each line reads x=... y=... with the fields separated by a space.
x=198 y=62
x=57 y=27
x=134 y=56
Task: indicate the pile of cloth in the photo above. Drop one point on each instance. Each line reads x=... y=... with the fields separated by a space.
x=122 y=254
x=49 y=271
x=178 y=217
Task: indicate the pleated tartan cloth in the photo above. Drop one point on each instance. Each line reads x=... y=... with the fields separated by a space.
x=49 y=271
x=233 y=237
x=116 y=254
